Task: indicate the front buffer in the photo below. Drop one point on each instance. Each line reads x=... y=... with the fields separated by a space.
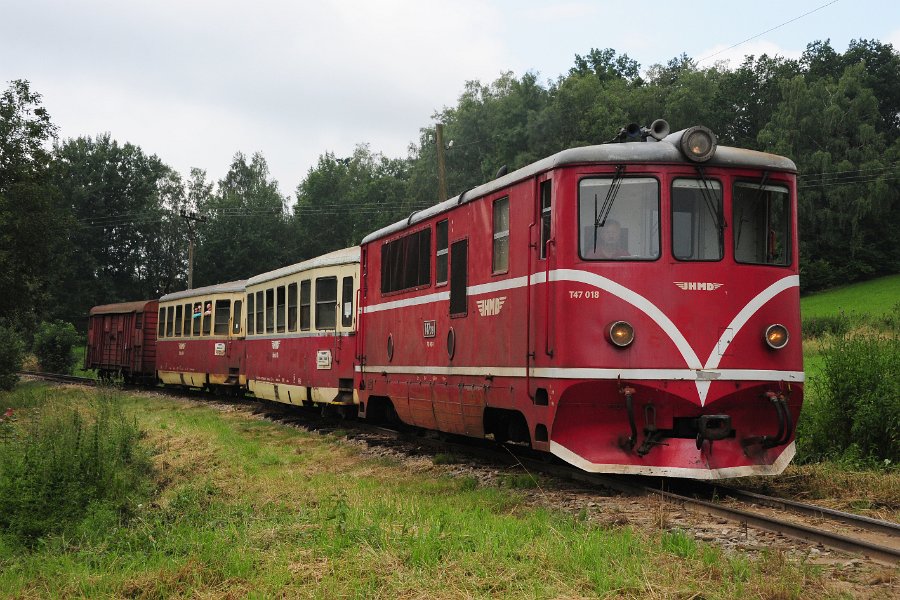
x=651 y=428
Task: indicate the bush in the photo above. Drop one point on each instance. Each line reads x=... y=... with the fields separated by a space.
x=814 y=327
x=53 y=346
x=856 y=412
x=66 y=464
x=12 y=351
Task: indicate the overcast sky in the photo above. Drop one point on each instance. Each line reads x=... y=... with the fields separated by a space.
x=194 y=81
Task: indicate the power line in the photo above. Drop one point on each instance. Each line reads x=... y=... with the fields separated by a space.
x=768 y=31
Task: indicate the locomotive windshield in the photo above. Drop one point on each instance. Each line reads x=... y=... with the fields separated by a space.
x=618 y=219
x=697 y=219
x=761 y=223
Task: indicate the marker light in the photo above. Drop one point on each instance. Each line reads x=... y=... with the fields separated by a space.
x=620 y=333
x=777 y=336
x=698 y=143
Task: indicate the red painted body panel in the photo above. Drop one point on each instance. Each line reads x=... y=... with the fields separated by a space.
x=292 y=360
x=200 y=356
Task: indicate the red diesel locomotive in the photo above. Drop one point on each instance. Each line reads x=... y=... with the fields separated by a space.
x=630 y=307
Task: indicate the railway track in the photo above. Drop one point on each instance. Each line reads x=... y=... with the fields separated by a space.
x=874 y=539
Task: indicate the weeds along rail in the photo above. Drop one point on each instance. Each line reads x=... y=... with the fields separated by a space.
x=696 y=496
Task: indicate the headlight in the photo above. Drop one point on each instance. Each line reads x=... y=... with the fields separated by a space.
x=620 y=333
x=698 y=143
x=777 y=336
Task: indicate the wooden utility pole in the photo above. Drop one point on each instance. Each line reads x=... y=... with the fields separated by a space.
x=192 y=218
x=442 y=171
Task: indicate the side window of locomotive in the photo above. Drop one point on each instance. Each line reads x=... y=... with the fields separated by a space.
x=698 y=223
x=236 y=318
x=406 y=262
x=280 y=310
x=347 y=302
x=305 y=319
x=762 y=227
x=326 y=302
x=179 y=320
x=292 y=307
x=161 y=329
x=500 y=255
x=223 y=316
x=260 y=314
x=441 y=252
x=618 y=219
x=207 y=317
x=251 y=329
x=546 y=189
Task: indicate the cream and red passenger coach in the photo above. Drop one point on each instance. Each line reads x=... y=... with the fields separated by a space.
x=631 y=307
x=301 y=331
x=200 y=337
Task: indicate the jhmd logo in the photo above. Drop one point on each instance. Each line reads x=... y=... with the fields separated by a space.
x=697 y=286
x=491 y=306
x=276 y=344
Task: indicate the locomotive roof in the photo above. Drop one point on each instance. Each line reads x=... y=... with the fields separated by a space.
x=220 y=288
x=664 y=151
x=121 y=308
x=338 y=257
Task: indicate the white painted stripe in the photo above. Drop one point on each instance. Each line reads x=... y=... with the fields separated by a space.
x=748 y=311
x=774 y=469
x=704 y=375
x=427 y=299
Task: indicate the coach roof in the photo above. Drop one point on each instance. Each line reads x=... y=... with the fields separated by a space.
x=345 y=256
x=232 y=287
x=664 y=151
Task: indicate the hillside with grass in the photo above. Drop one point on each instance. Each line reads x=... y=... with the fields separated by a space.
x=875 y=298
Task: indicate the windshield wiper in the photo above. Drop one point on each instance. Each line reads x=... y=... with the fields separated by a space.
x=714 y=210
x=601 y=214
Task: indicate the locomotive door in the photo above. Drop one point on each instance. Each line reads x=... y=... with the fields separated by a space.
x=542 y=262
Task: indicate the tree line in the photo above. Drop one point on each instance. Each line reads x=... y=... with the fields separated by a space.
x=88 y=220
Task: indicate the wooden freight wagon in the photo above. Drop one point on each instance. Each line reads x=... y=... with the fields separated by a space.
x=122 y=341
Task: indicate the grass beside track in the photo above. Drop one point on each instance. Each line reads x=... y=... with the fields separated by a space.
x=875 y=297
x=245 y=507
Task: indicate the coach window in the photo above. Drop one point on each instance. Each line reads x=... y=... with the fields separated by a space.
x=762 y=226
x=236 y=318
x=280 y=309
x=326 y=302
x=347 y=302
x=546 y=189
x=500 y=259
x=304 y=305
x=406 y=262
x=251 y=329
x=186 y=330
x=223 y=316
x=618 y=218
x=270 y=310
x=260 y=325
x=179 y=320
x=441 y=252
x=698 y=223
x=161 y=324
x=292 y=307
x=170 y=321
x=196 y=317
x=207 y=317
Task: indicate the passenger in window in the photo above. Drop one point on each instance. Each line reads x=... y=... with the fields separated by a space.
x=198 y=310
x=610 y=242
x=208 y=309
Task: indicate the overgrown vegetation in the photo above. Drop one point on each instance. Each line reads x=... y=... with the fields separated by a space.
x=53 y=345
x=66 y=466
x=247 y=507
x=852 y=410
x=12 y=352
